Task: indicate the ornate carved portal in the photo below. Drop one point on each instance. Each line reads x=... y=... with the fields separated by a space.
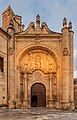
x=38 y=82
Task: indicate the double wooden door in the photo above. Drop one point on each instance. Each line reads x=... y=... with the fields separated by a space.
x=38 y=95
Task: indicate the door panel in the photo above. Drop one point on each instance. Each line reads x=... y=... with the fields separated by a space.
x=38 y=95
x=34 y=101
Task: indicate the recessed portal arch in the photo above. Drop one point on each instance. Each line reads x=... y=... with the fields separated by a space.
x=32 y=62
x=38 y=95
x=27 y=49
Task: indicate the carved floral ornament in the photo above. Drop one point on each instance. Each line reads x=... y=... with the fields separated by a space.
x=38 y=61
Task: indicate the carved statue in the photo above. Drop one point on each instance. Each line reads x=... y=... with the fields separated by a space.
x=64 y=21
x=37 y=61
x=65 y=52
x=10 y=51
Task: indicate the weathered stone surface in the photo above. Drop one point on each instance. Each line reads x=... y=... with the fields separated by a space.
x=36 y=56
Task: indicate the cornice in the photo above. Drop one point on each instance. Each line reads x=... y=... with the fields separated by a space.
x=38 y=36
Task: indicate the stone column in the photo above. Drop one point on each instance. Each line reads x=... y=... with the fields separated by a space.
x=18 y=102
x=71 y=36
x=11 y=67
x=65 y=66
x=50 y=95
x=66 y=84
x=25 y=101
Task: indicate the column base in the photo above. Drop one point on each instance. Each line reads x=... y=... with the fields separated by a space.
x=12 y=104
x=65 y=105
x=57 y=105
x=25 y=103
x=18 y=104
x=72 y=105
x=68 y=105
x=50 y=103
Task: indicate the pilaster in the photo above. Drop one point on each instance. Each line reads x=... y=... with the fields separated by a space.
x=25 y=101
x=50 y=95
x=18 y=102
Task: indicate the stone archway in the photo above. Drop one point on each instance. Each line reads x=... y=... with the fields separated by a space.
x=38 y=95
x=40 y=67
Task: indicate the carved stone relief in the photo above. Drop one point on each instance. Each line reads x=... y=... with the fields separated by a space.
x=10 y=51
x=38 y=60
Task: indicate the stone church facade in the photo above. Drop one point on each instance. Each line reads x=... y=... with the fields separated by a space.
x=36 y=64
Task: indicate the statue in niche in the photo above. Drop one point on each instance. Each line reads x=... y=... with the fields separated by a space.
x=25 y=65
x=52 y=67
x=65 y=52
x=37 y=61
x=46 y=65
x=10 y=51
x=30 y=66
x=30 y=63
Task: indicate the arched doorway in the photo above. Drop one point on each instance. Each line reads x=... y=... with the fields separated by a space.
x=38 y=95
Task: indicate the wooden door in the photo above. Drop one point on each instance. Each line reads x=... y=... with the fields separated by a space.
x=38 y=95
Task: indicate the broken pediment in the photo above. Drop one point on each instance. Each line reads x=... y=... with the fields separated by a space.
x=37 y=28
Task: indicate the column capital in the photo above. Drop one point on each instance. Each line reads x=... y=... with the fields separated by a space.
x=25 y=76
x=51 y=76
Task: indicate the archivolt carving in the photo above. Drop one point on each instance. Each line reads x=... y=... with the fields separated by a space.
x=38 y=60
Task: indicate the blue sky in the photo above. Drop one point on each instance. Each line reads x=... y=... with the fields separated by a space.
x=51 y=11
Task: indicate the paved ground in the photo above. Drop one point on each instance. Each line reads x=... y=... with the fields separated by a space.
x=37 y=114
